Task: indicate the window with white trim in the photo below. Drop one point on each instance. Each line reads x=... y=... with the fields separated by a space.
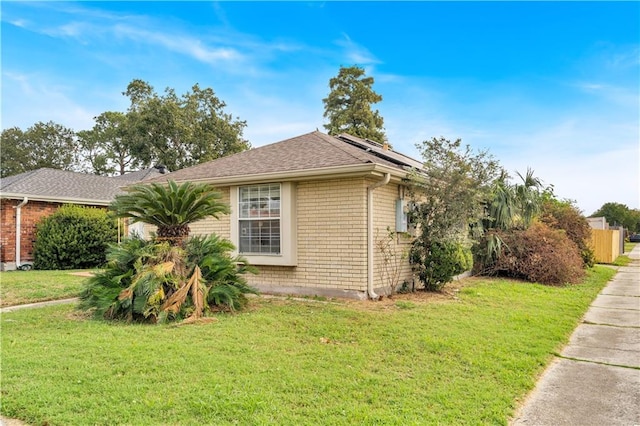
x=259 y=219
x=264 y=224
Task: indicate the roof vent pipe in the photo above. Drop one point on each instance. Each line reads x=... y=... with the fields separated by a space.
x=162 y=169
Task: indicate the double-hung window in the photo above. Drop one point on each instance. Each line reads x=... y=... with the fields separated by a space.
x=263 y=223
x=259 y=221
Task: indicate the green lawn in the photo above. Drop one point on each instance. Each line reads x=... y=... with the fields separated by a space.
x=624 y=259
x=467 y=359
x=629 y=246
x=20 y=287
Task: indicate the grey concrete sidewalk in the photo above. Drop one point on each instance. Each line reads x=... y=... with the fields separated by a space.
x=596 y=378
x=38 y=305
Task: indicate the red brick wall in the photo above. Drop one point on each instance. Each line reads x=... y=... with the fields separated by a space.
x=31 y=213
x=7 y=230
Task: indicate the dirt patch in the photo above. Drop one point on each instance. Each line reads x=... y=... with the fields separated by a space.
x=449 y=294
x=11 y=422
x=77 y=315
x=82 y=274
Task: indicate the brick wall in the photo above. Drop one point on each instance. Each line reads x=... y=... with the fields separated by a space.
x=384 y=202
x=7 y=230
x=31 y=214
x=332 y=241
x=220 y=227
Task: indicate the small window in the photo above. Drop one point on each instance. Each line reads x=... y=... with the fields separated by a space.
x=259 y=219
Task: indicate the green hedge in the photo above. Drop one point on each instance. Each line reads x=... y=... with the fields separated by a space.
x=436 y=263
x=74 y=237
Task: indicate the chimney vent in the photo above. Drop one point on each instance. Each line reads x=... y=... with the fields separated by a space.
x=162 y=169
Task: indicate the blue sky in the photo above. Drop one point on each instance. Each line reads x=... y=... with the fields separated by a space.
x=554 y=86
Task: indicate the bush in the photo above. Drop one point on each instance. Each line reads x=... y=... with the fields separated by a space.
x=151 y=281
x=74 y=237
x=538 y=254
x=565 y=216
x=437 y=263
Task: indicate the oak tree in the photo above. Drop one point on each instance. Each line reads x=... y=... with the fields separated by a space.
x=41 y=145
x=180 y=131
x=107 y=148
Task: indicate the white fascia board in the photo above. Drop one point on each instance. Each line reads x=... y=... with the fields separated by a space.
x=309 y=174
x=62 y=200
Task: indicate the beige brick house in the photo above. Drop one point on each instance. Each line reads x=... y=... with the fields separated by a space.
x=310 y=211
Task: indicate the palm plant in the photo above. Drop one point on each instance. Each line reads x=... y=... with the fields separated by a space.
x=501 y=209
x=514 y=206
x=511 y=207
x=155 y=282
x=528 y=197
x=170 y=208
x=171 y=277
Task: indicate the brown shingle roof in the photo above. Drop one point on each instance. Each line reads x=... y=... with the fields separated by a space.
x=310 y=151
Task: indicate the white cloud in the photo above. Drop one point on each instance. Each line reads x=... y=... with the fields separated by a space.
x=34 y=99
x=625 y=58
x=625 y=96
x=70 y=30
x=21 y=23
x=356 y=53
x=180 y=44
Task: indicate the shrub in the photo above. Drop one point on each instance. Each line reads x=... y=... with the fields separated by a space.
x=565 y=216
x=74 y=237
x=393 y=257
x=437 y=263
x=538 y=254
x=151 y=281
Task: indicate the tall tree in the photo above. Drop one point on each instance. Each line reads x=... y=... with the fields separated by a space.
x=107 y=148
x=41 y=145
x=180 y=131
x=348 y=106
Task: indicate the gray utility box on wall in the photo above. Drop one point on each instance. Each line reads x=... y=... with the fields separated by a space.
x=401 y=216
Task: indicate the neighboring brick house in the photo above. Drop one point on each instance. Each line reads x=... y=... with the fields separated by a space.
x=28 y=197
x=308 y=212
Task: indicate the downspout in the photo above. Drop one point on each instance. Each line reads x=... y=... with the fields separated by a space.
x=370 y=188
x=18 y=228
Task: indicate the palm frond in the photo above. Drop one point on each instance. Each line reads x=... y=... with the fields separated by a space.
x=169 y=205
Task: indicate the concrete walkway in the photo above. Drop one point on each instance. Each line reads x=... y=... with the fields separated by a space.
x=38 y=305
x=596 y=378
